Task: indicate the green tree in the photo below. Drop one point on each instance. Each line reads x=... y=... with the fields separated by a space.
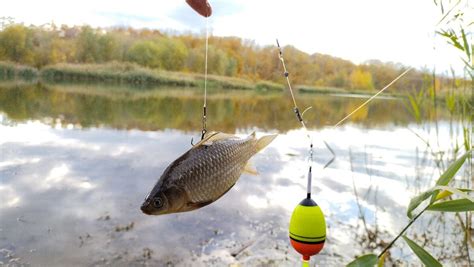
x=217 y=61
x=146 y=53
x=108 y=48
x=340 y=80
x=62 y=50
x=231 y=68
x=16 y=44
x=172 y=54
x=230 y=56
x=87 y=45
x=42 y=47
x=195 y=60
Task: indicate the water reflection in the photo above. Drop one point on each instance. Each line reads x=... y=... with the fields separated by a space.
x=70 y=193
x=71 y=196
x=122 y=108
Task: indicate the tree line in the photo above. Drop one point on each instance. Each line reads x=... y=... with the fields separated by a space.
x=39 y=46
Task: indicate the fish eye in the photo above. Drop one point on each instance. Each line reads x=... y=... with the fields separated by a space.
x=158 y=202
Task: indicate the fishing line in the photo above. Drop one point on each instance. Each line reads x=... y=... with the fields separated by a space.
x=299 y=116
x=295 y=109
x=372 y=97
x=307 y=229
x=204 y=107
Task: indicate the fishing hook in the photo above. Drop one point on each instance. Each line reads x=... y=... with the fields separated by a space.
x=204 y=130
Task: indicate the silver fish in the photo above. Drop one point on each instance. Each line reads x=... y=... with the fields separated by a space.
x=204 y=173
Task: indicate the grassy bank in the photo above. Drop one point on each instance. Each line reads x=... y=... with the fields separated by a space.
x=130 y=74
x=341 y=91
x=113 y=73
x=136 y=77
x=127 y=74
x=10 y=71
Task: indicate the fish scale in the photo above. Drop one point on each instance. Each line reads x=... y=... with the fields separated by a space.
x=211 y=184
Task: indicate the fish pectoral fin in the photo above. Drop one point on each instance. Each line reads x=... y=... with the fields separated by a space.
x=197 y=205
x=250 y=169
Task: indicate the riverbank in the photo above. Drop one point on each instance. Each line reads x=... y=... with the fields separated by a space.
x=138 y=78
x=127 y=74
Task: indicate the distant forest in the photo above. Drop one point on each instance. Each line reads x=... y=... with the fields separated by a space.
x=228 y=56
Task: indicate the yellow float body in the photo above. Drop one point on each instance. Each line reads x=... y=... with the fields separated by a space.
x=307 y=228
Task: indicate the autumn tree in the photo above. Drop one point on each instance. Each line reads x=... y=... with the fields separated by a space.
x=172 y=54
x=361 y=79
x=16 y=44
x=230 y=56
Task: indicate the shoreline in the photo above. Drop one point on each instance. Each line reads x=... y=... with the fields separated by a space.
x=141 y=78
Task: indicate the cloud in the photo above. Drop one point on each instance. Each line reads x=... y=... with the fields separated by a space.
x=397 y=31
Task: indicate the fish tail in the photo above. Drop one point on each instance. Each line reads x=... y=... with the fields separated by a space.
x=265 y=141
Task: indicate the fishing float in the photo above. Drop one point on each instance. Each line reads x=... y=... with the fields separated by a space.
x=307 y=228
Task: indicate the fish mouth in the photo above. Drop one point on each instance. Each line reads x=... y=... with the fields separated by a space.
x=148 y=208
x=146 y=211
x=145 y=207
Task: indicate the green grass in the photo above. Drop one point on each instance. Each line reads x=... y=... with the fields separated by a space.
x=269 y=86
x=115 y=73
x=139 y=78
x=223 y=82
x=128 y=74
x=10 y=71
x=341 y=91
x=320 y=90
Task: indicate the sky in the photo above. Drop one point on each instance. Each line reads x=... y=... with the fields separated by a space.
x=400 y=31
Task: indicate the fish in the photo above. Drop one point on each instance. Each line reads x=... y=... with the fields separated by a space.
x=204 y=173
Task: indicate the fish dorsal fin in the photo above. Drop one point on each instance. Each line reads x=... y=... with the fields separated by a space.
x=252 y=135
x=207 y=136
x=220 y=136
x=264 y=141
x=250 y=169
x=211 y=137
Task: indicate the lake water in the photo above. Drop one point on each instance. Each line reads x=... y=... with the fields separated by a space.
x=77 y=161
